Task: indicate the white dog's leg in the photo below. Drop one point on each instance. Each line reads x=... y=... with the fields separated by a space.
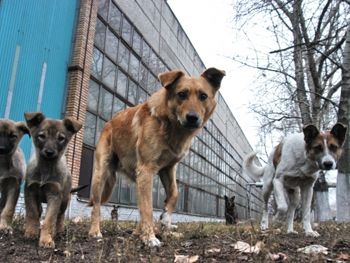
x=267 y=189
x=280 y=199
x=293 y=195
x=306 y=196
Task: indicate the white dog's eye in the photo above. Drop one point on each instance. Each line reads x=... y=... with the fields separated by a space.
x=333 y=148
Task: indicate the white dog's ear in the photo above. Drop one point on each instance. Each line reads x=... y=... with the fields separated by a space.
x=310 y=132
x=169 y=78
x=339 y=131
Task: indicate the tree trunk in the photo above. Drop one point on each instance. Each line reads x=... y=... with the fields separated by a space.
x=321 y=204
x=343 y=186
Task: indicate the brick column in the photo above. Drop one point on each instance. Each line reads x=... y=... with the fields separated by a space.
x=79 y=80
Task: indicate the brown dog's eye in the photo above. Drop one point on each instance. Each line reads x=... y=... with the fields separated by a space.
x=203 y=97
x=13 y=137
x=182 y=95
x=333 y=148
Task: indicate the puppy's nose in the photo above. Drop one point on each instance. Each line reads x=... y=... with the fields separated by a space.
x=328 y=165
x=2 y=150
x=49 y=152
x=192 y=117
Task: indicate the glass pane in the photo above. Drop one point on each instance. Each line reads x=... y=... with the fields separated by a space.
x=136 y=43
x=94 y=91
x=103 y=8
x=132 y=94
x=152 y=86
x=101 y=124
x=123 y=56
x=143 y=76
x=106 y=104
x=134 y=67
x=100 y=34
x=109 y=72
x=125 y=191
x=145 y=52
x=118 y=105
x=112 y=45
x=161 y=66
x=115 y=17
x=161 y=196
x=133 y=195
x=142 y=95
x=90 y=128
x=122 y=83
x=96 y=66
x=126 y=34
x=154 y=62
x=180 y=200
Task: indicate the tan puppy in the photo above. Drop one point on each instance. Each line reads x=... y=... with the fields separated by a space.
x=48 y=179
x=150 y=139
x=12 y=168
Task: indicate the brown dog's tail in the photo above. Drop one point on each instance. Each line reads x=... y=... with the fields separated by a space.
x=107 y=190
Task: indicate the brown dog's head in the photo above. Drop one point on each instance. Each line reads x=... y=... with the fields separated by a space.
x=51 y=137
x=192 y=99
x=11 y=134
x=324 y=147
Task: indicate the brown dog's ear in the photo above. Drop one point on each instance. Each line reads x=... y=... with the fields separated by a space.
x=310 y=131
x=214 y=76
x=72 y=125
x=339 y=131
x=23 y=127
x=34 y=118
x=169 y=78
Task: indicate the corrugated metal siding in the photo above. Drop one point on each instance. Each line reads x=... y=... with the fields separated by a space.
x=41 y=31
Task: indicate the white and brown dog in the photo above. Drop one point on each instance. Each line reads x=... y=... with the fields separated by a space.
x=293 y=168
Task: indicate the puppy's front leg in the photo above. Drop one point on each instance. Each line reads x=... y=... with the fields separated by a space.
x=168 y=179
x=12 y=192
x=33 y=212
x=144 y=185
x=54 y=200
x=306 y=197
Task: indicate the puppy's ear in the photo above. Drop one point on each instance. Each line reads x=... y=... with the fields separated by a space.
x=34 y=118
x=310 y=131
x=167 y=79
x=339 y=131
x=22 y=127
x=72 y=125
x=214 y=76
x=226 y=198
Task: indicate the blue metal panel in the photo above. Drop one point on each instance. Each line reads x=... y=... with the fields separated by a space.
x=35 y=41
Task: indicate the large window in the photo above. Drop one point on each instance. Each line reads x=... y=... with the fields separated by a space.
x=123 y=74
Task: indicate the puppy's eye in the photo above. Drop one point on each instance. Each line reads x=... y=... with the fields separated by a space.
x=61 y=139
x=41 y=137
x=182 y=95
x=333 y=148
x=13 y=137
x=318 y=149
x=203 y=97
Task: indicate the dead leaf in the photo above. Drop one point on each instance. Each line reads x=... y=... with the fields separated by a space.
x=246 y=248
x=314 y=249
x=185 y=259
x=78 y=219
x=187 y=244
x=343 y=256
x=278 y=257
x=213 y=250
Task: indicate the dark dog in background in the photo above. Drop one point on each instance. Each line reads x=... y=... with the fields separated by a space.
x=12 y=168
x=48 y=179
x=231 y=214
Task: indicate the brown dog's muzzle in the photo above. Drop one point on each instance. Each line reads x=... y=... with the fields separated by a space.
x=192 y=121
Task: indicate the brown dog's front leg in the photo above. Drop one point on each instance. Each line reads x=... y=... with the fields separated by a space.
x=168 y=179
x=144 y=185
x=11 y=201
x=33 y=212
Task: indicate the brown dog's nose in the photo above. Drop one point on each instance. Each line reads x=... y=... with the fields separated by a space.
x=49 y=152
x=192 y=117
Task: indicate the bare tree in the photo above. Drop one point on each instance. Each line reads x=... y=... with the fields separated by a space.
x=298 y=64
x=343 y=180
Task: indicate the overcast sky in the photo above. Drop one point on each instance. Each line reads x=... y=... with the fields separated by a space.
x=208 y=25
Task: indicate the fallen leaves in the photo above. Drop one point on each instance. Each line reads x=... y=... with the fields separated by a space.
x=185 y=259
x=313 y=249
x=246 y=248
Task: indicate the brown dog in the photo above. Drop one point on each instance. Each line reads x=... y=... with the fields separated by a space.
x=48 y=179
x=152 y=138
x=12 y=168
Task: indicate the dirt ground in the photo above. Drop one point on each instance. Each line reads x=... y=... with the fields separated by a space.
x=196 y=242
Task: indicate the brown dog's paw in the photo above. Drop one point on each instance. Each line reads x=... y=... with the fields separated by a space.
x=46 y=242
x=31 y=233
x=95 y=233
